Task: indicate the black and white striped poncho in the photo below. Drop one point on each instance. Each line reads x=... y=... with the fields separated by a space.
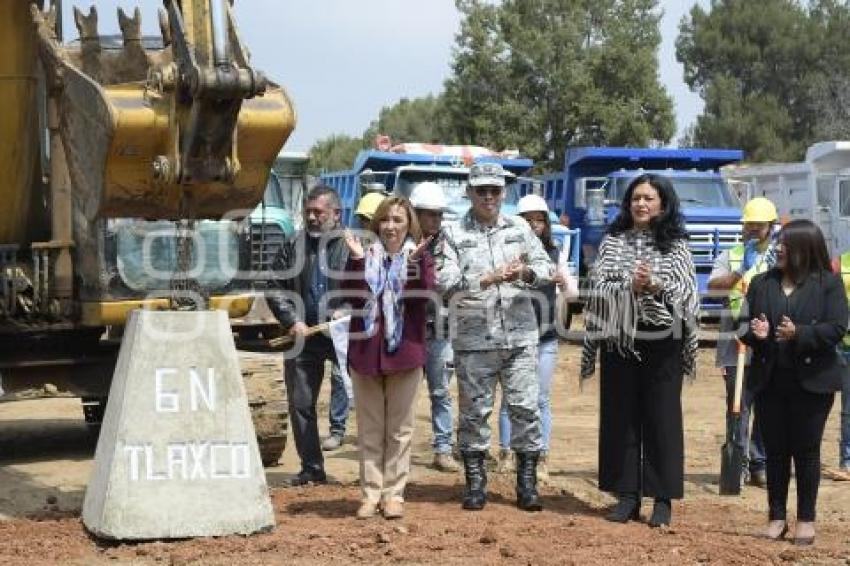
x=614 y=309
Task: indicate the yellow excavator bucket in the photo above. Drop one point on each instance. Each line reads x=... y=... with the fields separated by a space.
x=188 y=130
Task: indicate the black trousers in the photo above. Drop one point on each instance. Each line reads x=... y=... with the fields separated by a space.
x=792 y=423
x=641 y=441
x=303 y=376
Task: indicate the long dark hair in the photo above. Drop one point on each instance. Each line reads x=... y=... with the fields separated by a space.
x=805 y=250
x=667 y=226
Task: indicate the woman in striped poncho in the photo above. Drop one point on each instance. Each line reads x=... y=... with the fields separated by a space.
x=642 y=312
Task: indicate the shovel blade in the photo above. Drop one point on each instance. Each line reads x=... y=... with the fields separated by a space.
x=731 y=467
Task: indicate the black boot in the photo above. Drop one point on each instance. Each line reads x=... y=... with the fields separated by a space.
x=661 y=513
x=626 y=509
x=475 y=494
x=527 y=498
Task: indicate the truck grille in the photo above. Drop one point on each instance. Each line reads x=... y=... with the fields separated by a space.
x=707 y=244
x=265 y=240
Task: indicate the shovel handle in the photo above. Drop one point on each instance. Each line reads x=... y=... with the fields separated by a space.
x=739 y=378
x=287 y=340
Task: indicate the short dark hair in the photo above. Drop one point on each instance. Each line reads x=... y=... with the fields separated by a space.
x=324 y=190
x=667 y=226
x=805 y=250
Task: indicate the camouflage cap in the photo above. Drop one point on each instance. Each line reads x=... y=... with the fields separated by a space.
x=487 y=175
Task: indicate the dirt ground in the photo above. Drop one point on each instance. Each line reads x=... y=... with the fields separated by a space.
x=46 y=457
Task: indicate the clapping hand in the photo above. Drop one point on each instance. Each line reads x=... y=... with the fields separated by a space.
x=355 y=246
x=760 y=327
x=786 y=330
x=513 y=270
x=641 y=276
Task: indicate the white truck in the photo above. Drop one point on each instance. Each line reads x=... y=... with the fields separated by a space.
x=817 y=189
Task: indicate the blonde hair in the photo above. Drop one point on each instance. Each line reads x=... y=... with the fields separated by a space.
x=383 y=211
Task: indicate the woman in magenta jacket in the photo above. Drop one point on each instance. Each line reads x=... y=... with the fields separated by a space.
x=390 y=283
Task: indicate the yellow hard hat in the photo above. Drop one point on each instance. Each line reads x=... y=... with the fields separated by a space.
x=759 y=209
x=369 y=204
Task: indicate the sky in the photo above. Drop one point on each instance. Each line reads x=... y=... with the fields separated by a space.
x=341 y=61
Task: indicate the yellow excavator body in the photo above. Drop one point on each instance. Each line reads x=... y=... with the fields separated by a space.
x=183 y=130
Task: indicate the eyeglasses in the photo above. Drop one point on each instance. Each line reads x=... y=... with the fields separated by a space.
x=484 y=191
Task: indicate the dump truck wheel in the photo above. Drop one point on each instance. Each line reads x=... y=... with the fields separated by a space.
x=263 y=377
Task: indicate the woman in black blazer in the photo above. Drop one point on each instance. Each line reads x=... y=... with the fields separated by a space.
x=797 y=316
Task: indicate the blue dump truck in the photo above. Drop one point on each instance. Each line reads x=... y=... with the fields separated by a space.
x=399 y=170
x=594 y=180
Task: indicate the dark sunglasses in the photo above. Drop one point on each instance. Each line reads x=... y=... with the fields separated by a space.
x=484 y=191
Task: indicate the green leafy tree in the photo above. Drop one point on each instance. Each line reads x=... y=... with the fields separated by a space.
x=541 y=75
x=764 y=69
x=409 y=120
x=830 y=91
x=334 y=153
x=412 y=120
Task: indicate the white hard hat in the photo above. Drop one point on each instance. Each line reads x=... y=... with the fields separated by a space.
x=428 y=196
x=531 y=203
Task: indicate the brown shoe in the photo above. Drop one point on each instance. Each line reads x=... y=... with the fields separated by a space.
x=804 y=533
x=758 y=478
x=445 y=463
x=367 y=510
x=393 y=509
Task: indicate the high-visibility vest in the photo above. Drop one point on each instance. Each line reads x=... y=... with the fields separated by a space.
x=737 y=292
x=842 y=267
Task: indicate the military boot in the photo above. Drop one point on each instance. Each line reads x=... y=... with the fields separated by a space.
x=527 y=498
x=475 y=494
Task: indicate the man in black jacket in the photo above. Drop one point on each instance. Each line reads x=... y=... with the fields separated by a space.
x=306 y=269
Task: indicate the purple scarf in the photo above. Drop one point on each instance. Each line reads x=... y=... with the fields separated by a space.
x=386 y=275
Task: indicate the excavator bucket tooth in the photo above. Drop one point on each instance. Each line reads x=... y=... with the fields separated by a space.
x=86 y=25
x=131 y=28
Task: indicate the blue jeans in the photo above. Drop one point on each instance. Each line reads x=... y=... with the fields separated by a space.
x=340 y=403
x=547 y=357
x=438 y=373
x=844 y=442
x=756 y=459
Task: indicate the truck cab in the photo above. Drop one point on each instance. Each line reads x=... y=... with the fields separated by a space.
x=279 y=215
x=593 y=184
x=816 y=189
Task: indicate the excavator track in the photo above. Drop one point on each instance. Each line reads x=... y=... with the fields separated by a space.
x=262 y=374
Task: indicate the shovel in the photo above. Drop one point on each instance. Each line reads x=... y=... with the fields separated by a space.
x=732 y=453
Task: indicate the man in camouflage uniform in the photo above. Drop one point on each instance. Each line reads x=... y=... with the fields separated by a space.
x=489 y=276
